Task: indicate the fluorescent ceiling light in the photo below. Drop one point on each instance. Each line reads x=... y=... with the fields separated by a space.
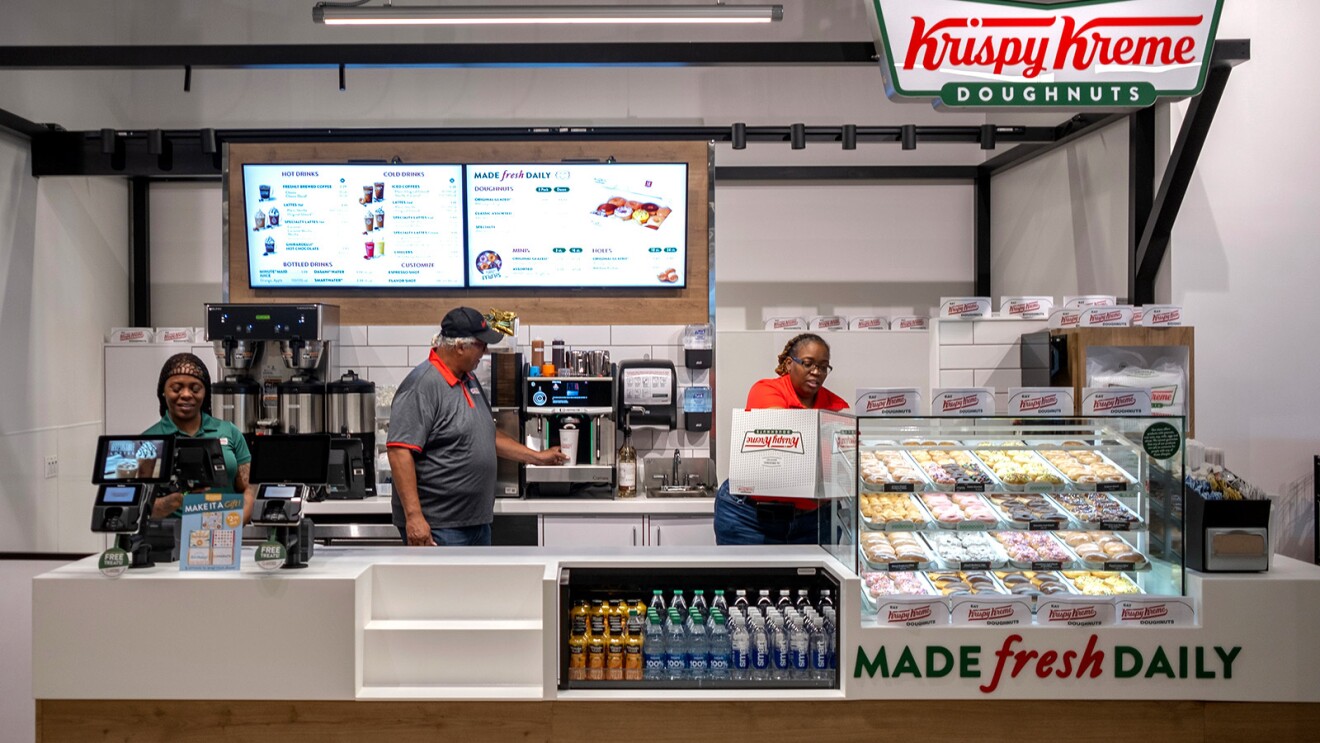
x=392 y=15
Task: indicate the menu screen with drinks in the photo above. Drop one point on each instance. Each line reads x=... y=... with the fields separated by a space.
x=132 y=459
x=577 y=225
x=354 y=226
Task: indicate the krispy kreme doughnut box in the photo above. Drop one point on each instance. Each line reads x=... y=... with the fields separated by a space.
x=1063 y=317
x=909 y=322
x=1026 y=308
x=868 y=323
x=1115 y=401
x=132 y=335
x=1031 y=401
x=827 y=322
x=887 y=401
x=775 y=453
x=964 y=308
x=963 y=401
x=1083 y=301
x=785 y=323
x=1158 y=316
x=1075 y=611
x=175 y=335
x=1111 y=316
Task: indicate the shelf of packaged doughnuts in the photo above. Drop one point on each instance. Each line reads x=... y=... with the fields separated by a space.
x=990 y=550
x=916 y=478
x=911 y=512
x=876 y=586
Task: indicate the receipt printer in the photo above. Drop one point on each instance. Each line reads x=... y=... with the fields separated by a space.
x=278 y=505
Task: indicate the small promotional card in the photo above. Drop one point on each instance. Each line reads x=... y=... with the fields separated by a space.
x=888 y=401
x=1115 y=401
x=909 y=322
x=912 y=611
x=868 y=323
x=1160 y=316
x=964 y=308
x=175 y=335
x=1150 y=612
x=991 y=611
x=212 y=531
x=1044 y=401
x=1115 y=316
x=1026 y=308
x=1075 y=611
x=132 y=335
x=1061 y=318
x=963 y=401
x=1089 y=300
x=785 y=323
x=827 y=322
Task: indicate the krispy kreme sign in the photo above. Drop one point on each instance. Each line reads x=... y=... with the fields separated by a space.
x=1085 y=54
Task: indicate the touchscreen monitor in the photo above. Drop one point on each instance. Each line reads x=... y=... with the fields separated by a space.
x=291 y=458
x=132 y=459
x=200 y=463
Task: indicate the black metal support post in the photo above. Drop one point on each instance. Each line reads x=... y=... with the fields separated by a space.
x=1177 y=177
x=139 y=229
x=1141 y=189
x=981 y=228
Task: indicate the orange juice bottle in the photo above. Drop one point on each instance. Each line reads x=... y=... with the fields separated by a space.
x=632 y=648
x=599 y=618
x=577 y=642
x=614 y=657
x=618 y=618
x=596 y=658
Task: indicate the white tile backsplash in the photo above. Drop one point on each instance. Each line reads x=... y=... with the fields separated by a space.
x=418 y=354
x=959 y=378
x=402 y=335
x=999 y=379
x=353 y=335
x=956 y=333
x=358 y=357
x=980 y=357
x=388 y=375
x=574 y=336
x=647 y=335
x=673 y=353
x=1005 y=331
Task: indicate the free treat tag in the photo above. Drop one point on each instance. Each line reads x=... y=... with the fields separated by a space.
x=113 y=562
x=271 y=554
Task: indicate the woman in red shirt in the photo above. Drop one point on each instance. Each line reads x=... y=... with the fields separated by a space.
x=803 y=365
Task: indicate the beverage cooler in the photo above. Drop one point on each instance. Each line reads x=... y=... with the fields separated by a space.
x=698 y=628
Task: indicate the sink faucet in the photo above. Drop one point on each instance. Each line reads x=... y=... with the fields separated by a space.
x=677 y=464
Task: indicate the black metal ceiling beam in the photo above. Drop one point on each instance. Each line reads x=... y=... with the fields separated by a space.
x=845 y=173
x=128 y=153
x=241 y=56
x=21 y=127
x=1070 y=131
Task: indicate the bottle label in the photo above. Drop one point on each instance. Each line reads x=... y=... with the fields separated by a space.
x=627 y=475
x=760 y=657
x=719 y=663
x=676 y=662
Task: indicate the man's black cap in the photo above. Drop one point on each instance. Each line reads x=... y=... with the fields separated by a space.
x=465 y=322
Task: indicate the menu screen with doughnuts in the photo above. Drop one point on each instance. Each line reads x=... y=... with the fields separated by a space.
x=591 y=225
x=354 y=226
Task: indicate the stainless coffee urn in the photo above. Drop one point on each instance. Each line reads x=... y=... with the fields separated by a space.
x=351 y=420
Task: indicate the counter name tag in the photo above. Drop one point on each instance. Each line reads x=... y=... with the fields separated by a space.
x=212 y=531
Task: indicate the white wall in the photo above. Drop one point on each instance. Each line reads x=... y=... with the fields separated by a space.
x=18 y=710
x=63 y=281
x=187 y=256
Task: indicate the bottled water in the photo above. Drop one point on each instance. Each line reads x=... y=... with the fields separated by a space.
x=658 y=602
x=740 y=601
x=740 y=660
x=675 y=647
x=759 y=644
x=785 y=599
x=678 y=602
x=819 y=648
x=799 y=647
x=803 y=599
x=719 y=602
x=721 y=646
x=829 y=626
x=779 y=666
x=826 y=599
x=763 y=601
x=699 y=603
x=654 y=657
x=698 y=648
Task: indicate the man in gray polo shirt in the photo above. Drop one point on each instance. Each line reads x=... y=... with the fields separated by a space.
x=443 y=441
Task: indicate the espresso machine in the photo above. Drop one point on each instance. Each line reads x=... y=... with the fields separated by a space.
x=272 y=358
x=563 y=411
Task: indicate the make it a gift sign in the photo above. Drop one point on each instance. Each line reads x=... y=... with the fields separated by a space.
x=1009 y=54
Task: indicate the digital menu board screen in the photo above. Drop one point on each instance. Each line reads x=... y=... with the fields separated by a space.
x=354 y=226
x=577 y=225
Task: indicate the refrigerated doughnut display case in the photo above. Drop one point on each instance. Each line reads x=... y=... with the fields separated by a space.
x=1012 y=510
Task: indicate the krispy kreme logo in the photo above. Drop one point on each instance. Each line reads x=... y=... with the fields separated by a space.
x=914 y=614
x=1139 y=613
x=1164 y=317
x=1163 y=395
x=1045 y=401
x=886 y=403
x=773 y=440
x=962 y=308
x=1069 y=318
x=912 y=323
x=1106 y=316
x=1029 y=54
x=961 y=402
x=1118 y=401
x=989 y=613
x=1021 y=308
x=1075 y=614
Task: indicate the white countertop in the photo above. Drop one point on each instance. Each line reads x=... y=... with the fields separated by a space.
x=533 y=506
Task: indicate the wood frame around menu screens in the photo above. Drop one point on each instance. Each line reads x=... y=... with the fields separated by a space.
x=426 y=306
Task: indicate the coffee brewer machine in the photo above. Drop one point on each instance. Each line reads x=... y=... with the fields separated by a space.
x=351 y=411
x=273 y=358
x=577 y=414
